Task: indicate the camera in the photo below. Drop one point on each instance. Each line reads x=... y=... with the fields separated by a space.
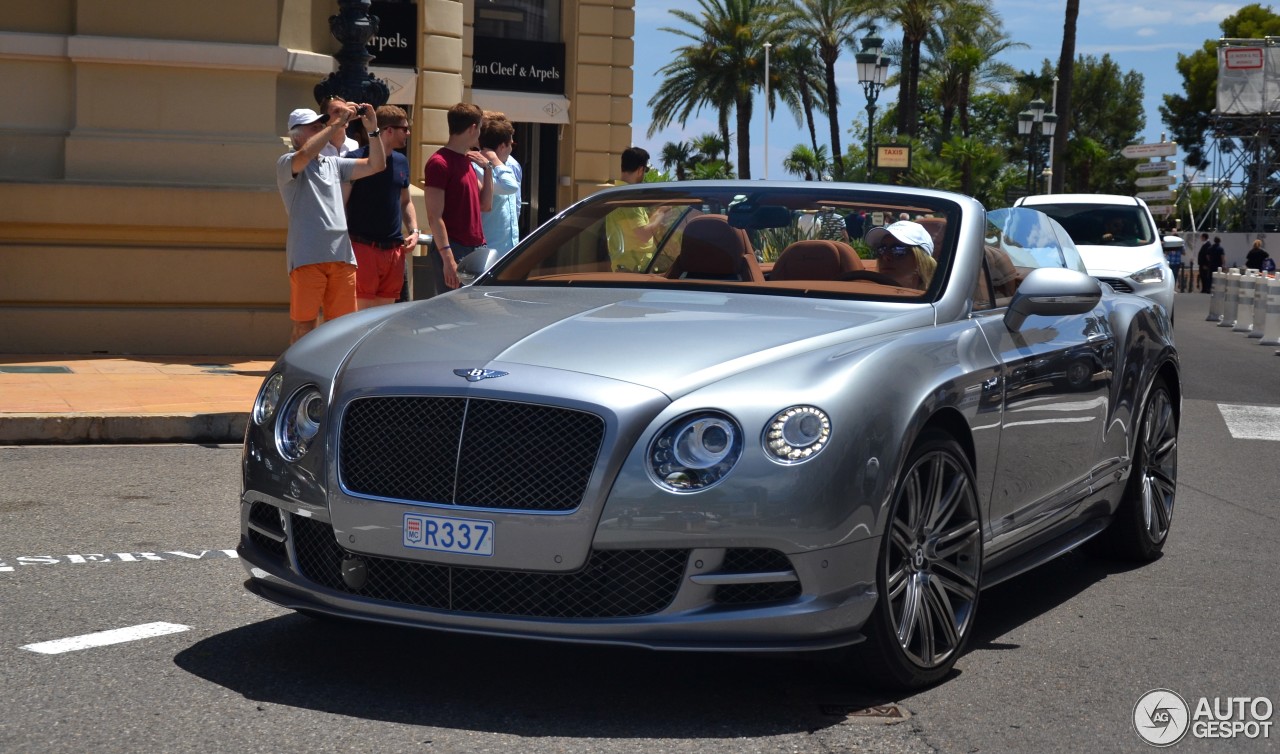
x=361 y=110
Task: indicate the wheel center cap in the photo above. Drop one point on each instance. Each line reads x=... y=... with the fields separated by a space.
x=917 y=557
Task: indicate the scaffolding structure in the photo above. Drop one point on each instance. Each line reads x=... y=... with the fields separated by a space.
x=1243 y=143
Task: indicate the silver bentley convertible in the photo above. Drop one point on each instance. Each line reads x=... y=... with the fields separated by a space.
x=721 y=416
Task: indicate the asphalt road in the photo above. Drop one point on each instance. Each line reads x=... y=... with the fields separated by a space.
x=1062 y=654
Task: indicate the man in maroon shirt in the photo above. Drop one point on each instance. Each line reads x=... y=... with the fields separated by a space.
x=454 y=196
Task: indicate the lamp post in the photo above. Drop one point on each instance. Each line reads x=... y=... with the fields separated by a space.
x=767 y=112
x=873 y=71
x=1031 y=123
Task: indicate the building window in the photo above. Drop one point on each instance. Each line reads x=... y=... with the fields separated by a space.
x=531 y=20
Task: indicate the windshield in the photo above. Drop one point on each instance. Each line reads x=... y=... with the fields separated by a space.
x=1120 y=225
x=816 y=238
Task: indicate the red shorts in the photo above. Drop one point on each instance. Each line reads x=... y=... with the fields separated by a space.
x=380 y=273
x=331 y=285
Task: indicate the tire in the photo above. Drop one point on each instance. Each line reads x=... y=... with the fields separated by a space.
x=1145 y=512
x=929 y=570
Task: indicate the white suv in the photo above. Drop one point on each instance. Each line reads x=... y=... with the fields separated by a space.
x=1117 y=239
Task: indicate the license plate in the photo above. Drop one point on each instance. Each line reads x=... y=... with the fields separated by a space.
x=468 y=536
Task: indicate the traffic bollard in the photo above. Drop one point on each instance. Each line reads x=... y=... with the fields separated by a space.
x=1271 y=329
x=1244 y=299
x=1231 y=298
x=1219 y=292
x=1259 y=306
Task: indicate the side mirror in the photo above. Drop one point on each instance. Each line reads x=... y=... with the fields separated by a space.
x=1052 y=291
x=475 y=264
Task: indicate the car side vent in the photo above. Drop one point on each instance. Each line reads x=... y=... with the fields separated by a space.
x=265 y=529
x=777 y=578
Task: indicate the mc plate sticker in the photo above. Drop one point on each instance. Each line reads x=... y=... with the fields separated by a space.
x=467 y=536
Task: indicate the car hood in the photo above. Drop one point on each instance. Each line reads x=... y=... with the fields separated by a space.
x=671 y=341
x=1119 y=261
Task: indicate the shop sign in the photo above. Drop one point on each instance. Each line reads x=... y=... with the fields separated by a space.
x=396 y=43
x=517 y=65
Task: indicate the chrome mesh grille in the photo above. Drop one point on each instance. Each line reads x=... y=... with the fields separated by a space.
x=612 y=584
x=1118 y=283
x=481 y=453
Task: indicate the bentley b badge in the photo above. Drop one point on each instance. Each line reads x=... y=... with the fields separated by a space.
x=475 y=375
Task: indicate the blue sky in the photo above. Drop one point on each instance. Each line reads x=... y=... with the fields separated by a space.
x=1140 y=35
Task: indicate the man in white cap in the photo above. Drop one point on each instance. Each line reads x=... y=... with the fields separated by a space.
x=904 y=252
x=322 y=265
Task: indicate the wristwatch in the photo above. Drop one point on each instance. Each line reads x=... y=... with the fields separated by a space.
x=375 y=132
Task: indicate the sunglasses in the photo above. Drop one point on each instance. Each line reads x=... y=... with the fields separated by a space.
x=894 y=250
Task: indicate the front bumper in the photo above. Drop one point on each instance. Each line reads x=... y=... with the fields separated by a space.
x=709 y=596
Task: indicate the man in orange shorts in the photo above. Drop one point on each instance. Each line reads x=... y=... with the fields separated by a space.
x=376 y=211
x=322 y=265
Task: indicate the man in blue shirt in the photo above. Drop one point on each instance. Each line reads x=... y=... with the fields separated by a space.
x=376 y=211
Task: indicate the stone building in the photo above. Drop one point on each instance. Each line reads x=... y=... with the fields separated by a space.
x=138 y=207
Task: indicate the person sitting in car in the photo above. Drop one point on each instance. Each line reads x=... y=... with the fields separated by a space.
x=904 y=252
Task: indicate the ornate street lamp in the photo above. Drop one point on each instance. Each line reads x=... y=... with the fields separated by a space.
x=873 y=72
x=353 y=26
x=1027 y=122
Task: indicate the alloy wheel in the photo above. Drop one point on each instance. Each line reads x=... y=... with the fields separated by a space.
x=933 y=559
x=1159 y=470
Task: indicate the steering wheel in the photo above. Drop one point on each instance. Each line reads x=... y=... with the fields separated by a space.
x=871 y=277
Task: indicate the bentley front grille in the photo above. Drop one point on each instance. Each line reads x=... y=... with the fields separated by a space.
x=612 y=584
x=474 y=452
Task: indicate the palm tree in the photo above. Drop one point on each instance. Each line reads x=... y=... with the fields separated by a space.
x=797 y=80
x=961 y=60
x=676 y=155
x=808 y=164
x=709 y=148
x=917 y=18
x=1066 y=78
x=721 y=69
x=827 y=25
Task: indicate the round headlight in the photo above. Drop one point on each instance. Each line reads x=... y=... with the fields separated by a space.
x=299 y=423
x=797 y=434
x=695 y=452
x=268 y=399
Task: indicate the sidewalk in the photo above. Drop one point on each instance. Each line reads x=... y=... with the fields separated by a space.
x=113 y=399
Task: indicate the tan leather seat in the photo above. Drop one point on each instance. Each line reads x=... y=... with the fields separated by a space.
x=711 y=249
x=815 y=260
x=936 y=226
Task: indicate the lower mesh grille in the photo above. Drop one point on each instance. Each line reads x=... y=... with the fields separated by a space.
x=745 y=560
x=612 y=584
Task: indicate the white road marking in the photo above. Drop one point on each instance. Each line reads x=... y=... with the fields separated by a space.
x=104 y=638
x=1251 y=422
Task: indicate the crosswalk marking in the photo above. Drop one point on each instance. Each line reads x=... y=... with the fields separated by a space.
x=1251 y=422
x=103 y=638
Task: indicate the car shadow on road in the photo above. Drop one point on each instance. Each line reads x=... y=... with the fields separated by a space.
x=1007 y=606
x=520 y=687
x=533 y=688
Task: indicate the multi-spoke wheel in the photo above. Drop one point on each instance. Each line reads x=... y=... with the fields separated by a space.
x=1146 y=510
x=930 y=567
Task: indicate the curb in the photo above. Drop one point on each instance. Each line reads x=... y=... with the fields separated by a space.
x=73 y=429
